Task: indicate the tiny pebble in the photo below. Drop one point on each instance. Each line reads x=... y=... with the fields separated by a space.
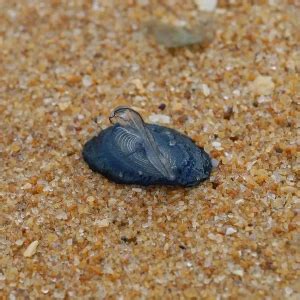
x=138 y=84
x=288 y=291
x=44 y=290
x=216 y=144
x=143 y=2
x=61 y=215
x=159 y=118
x=162 y=106
x=215 y=237
x=90 y=199
x=27 y=186
x=238 y=272
x=19 y=242
x=206 y=5
x=64 y=105
x=262 y=85
x=230 y=230
x=102 y=223
x=214 y=163
x=87 y=81
x=15 y=148
x=239 y=201
x=112 y=201
x=205 y=90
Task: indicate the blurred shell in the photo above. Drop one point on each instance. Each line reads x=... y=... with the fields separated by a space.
x=179 y=36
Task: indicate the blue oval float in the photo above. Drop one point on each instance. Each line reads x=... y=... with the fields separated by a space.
x=133 y=152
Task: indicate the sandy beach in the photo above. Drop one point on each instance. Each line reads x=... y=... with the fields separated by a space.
x=69 y=233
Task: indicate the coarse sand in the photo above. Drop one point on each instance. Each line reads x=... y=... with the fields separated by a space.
x=68 y=233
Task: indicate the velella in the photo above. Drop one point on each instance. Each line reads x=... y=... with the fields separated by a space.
x=134 y=152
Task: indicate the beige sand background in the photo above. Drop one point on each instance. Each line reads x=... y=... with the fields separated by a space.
x=66 y=232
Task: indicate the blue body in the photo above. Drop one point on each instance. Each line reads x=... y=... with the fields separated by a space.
x=191 y=163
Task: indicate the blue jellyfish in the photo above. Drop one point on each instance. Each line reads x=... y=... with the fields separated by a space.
x=134 y=152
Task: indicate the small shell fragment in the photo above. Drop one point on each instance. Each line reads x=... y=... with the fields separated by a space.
x=31 y=249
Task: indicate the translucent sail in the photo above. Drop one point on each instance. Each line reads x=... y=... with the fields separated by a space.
x=134 y=125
